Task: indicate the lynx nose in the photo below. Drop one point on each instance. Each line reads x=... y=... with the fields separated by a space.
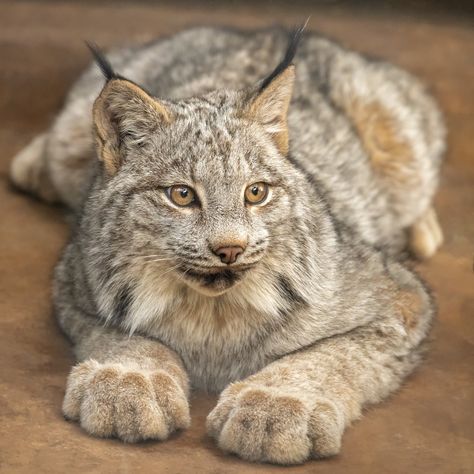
x=228 y=254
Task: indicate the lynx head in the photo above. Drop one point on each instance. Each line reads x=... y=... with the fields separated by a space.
x=199 y=190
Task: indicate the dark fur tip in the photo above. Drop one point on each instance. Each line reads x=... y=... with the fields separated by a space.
x=102 y=61
x=293 y=41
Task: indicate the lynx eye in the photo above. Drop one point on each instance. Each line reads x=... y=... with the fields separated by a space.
x=256 y=193
x=181 y=195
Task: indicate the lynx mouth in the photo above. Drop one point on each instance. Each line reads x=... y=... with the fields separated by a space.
x=216 y=280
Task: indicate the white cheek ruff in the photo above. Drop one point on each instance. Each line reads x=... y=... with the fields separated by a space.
x=157 y=298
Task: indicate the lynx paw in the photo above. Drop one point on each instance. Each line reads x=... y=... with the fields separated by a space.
x=426 y=235
x=109 y=400
x=264 y=424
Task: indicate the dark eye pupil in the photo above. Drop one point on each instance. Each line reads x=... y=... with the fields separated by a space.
x=255 y=190
x=184 y=193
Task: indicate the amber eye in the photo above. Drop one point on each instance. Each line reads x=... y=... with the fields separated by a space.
x=181 y=195
x=256 y=193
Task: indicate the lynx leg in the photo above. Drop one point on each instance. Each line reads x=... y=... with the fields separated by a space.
x=29 y=172
x=426 y=235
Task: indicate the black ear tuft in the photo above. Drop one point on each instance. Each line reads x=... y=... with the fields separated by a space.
x=293 y=42
x=102 y=61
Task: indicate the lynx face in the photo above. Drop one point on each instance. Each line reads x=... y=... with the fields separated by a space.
x=208 y=193
x=207 y=185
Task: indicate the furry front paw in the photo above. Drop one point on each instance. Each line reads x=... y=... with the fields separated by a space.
x=265 y=424
x=110 y=400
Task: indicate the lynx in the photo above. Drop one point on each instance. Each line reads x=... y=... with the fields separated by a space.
x=241 y=225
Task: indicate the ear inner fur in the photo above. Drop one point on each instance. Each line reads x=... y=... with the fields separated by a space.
x=270 y=107
x=119 y=101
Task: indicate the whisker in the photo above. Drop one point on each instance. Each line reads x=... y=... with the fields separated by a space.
x=153 y=259
x=170 y=270
x=283 y=234
x=181 y=276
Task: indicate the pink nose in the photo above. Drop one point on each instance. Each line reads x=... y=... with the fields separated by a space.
x=229 y=254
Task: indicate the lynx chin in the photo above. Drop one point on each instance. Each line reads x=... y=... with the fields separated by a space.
x=241 y=223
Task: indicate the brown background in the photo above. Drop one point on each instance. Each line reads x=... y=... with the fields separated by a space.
x=427 y=427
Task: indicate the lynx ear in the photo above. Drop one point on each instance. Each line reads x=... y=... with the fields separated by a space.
x=124 y=111
x=270 y=107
